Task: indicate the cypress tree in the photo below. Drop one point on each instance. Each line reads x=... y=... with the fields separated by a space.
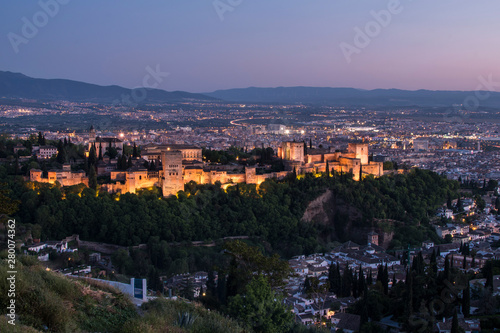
x=347 y=282
x=489 y=277
x=466 y=301
x=410 y=293
x=221 y=287
x=454 y=323
x=447 y=269
x=135 y=153
x=380 y=273
x=92 y=155
x=100 y=151
x=361 y=281
x=334 y=278
x=369 y=279
x=211 y=287
x=434 y=262
x=61 y=156
x=307 y=285
x=354 y=285
x=385 y=281
x=92 y=178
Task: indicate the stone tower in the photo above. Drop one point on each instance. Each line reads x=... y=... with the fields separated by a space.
x=360 y=150
x=92 y=134
x=292 y=151
x=250 y=175
x=373 y=238
x=172 y=181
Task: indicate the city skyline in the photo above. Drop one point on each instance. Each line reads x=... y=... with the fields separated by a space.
x=210 y=45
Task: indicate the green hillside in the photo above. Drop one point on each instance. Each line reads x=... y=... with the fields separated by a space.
x=50 y=302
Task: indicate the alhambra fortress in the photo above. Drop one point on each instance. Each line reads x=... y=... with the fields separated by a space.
x=180 y=164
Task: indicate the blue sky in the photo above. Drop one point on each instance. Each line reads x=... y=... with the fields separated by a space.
x=427 y=44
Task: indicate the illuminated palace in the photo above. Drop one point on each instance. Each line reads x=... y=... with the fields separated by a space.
x=181 y=164
x=355 y=160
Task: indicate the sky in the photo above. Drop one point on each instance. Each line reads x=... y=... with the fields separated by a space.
x=205 y=45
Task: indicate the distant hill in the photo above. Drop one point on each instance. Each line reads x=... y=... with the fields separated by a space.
x=16 y=85
x=354 y=97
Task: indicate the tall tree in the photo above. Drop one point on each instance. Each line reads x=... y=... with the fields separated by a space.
x=455 y=328
x=369 y=279
x=346 y=281
x=100 y=151
x=248 y=261
x=92 y=178
x=221 y=287
x=433 y=262
x=92 y=155
x=361 y=281
x=41 y=139
x=135 y=152
x=61 y=155
x=466 y=301
x=447 y=270
x=260 y=308
x=385 y=280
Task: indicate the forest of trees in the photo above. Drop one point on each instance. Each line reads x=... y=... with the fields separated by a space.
x=271 y=212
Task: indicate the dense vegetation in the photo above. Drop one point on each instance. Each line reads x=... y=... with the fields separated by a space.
x=47 y=301
x=272 y=212
x=425 y=296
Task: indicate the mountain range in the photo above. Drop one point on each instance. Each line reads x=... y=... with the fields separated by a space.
x=359 y=97
x=16 y=85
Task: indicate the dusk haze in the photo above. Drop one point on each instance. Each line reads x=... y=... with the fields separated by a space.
x=207 y=46
x=250 y=166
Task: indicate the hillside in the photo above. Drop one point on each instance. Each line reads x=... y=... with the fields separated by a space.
x=17 y=85
x=396 y=207
x=48 y=301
